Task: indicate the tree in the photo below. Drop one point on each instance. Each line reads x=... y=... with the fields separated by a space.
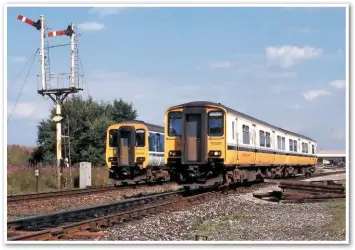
x=89 y=121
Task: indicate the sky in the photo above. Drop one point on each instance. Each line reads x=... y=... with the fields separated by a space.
x=285 y=66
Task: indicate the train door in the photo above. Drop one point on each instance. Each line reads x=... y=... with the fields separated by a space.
x=193 y=137
x=253 y=135
x=126 y=146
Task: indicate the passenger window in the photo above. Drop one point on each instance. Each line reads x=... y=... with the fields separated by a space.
x=174 y=124
x=215 y=123
x=140 y=138
x=233 y=135
x=152 y=138
x=246 y=135
x=262 y=138
x=291 y=145
x=279 y=142
x=295 y=145
x=312 y=149
x=267 y=139
x=160 y=142
x=283 y=143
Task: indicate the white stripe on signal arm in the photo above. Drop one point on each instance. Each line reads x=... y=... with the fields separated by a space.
x=23 y=19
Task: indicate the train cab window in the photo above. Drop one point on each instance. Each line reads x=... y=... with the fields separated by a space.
x=140 y=138
x=215 y=123
x=262 y=138
x=267 y=140
x=313 y=149
x=291 y=145
x=283 y=143
x=174 y=124
x=113 y=133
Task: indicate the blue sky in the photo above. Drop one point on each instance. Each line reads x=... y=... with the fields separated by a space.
x=285 y=66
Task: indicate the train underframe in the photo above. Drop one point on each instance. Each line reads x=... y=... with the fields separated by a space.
x=136 y=174
x=219 y=174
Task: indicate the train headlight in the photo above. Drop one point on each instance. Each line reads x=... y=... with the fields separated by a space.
x=140 y=159
x=174 y=153
x=215 y=153
x=112 y=159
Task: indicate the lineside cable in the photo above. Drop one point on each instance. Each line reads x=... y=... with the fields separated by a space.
x=18 y=98
x=17 y=76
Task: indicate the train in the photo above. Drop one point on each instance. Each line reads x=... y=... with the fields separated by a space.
x=135 y=153
x=204 y=143
x=208 y=143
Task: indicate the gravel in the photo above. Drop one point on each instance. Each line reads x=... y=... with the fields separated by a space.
x=51 y=205
x=238 y=217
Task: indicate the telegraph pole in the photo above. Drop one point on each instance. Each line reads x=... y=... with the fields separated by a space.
x=57 y=94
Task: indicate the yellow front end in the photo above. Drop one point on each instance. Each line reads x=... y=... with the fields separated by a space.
x=195 y=142
x=124 y=153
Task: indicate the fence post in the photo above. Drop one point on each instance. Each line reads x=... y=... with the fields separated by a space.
x=37 y=179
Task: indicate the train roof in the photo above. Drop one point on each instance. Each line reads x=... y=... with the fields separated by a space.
x=151 y=127
x=237 y=113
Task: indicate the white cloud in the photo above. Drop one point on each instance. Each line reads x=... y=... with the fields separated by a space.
x=314 y=94
x=287 y=56
x=91 y=26
x=339 y=84
x=106 y=11
x=30 y=110
x=18 y=59
x=221 y=64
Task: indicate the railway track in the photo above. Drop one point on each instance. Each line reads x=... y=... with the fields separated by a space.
x=69 y=192
x=88 y=221
x=89 y=190
x=57 y=225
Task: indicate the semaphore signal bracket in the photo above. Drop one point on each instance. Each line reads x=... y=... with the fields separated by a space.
x=59 y=93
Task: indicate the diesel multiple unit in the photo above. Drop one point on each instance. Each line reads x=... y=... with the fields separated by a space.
x=207 y=143
x=135 y=152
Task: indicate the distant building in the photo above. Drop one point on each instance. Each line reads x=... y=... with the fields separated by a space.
x=333 y=157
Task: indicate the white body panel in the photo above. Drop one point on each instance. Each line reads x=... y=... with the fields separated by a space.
x=235 y=136
x=156 y=159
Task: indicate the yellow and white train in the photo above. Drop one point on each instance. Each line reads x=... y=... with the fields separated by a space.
x=135 y=152
x=207 y=143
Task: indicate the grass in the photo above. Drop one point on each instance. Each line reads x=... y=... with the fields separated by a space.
x=206 y=228
x=21 y=179
x=338 y=223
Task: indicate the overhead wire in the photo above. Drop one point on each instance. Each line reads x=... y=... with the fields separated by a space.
x=18 y=75
x=18 y=98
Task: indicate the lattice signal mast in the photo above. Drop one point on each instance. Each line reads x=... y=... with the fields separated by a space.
x=58 y=94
